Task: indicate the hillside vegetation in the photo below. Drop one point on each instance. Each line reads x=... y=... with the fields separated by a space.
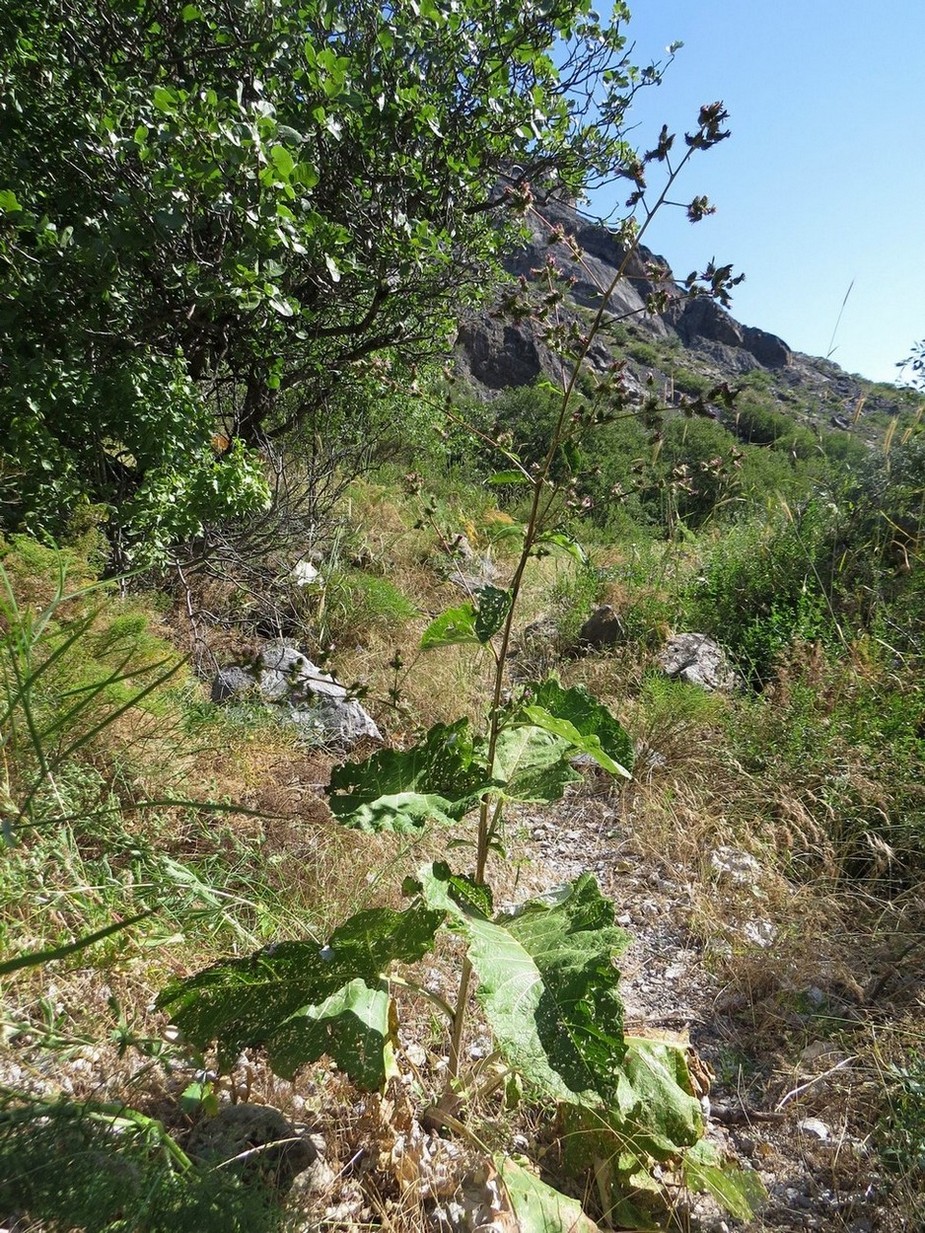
x=563 y=939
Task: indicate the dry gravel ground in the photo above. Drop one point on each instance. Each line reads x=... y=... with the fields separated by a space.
x=787 y=1096
x=782 y=1101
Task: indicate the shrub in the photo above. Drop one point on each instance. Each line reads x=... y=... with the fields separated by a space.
x=77 y=670
x=701 y=465
x=686 y=381
x=768 y=476
x=356 y=602
x=841 y=729
x=763 y=586
x=644 y=353
x=901 y=1131
x=91 y=1164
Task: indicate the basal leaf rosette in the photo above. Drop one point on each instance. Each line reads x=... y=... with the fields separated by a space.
x=300 y=1000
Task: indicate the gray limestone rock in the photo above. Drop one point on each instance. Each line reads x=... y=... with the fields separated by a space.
x=232 y=682
x=698 y=660
x=312 y=699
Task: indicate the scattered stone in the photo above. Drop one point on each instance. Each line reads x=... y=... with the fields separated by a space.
x=416 y=1054
x=542 y=630
x=479 y=572
x=258 y=1139
x=734 y=865
x=602 y=630
x=813 y=1126
x=462 y=548
x=310 y=698
x=233 y=682
x=698 y=660
x=305 y=573
x=821 y=1049
x=759 y=932
x=481 y=1047
x=648 y=760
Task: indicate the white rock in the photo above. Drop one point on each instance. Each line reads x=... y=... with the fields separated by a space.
x=760 y=932
x=735 y=865
x=305 y=574
x=813 y=1126
x=415 y=1054
x=698 y=660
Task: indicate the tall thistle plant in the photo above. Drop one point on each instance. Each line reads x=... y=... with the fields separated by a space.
x=544 y=970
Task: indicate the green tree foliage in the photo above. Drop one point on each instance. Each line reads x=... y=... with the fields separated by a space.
x=210 y=213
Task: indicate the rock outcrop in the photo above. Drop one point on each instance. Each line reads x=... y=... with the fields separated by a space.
x=496 y=354
x=698 y=660
x=305 y=695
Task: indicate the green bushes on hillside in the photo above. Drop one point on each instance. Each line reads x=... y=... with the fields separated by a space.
x=763 y=584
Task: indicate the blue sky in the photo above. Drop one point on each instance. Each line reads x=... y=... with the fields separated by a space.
x=823 y=181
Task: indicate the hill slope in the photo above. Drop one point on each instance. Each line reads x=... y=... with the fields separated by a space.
x=686 y=345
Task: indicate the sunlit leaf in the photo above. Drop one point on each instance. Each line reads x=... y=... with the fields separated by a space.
x=456 y=625
x=508 y=477
x=585 y=723
x=547 y=984
x=439 y=780
x=538 y=1207
x=740 y=1191
x=532 y=764
x=560 y=540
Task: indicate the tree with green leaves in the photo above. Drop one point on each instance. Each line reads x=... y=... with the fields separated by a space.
x=214 y=215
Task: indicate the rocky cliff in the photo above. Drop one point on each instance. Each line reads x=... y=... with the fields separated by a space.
x=652 y=326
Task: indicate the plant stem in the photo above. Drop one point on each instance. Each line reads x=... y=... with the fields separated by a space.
x=540 y=480
x=459 y=1023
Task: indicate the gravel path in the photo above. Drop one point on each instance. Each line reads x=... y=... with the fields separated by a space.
x=782 y=1117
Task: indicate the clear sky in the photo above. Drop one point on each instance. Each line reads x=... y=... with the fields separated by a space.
x=823 y=181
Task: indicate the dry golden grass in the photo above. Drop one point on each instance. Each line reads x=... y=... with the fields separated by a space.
x=298 y=873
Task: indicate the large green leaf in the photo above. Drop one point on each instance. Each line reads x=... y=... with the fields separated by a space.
x=654 y=1120
x=453 y=626
x=537 y=1207
x=494 y=605
x=300 y=1000
x=585 y=723
x=547 y=984
x=438 y=780
x=499 y=477
x=351 y=1026
x=563 y=541
x=655 y=1095
x=740 y=1191
x=532 y=764
x=469 y=622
